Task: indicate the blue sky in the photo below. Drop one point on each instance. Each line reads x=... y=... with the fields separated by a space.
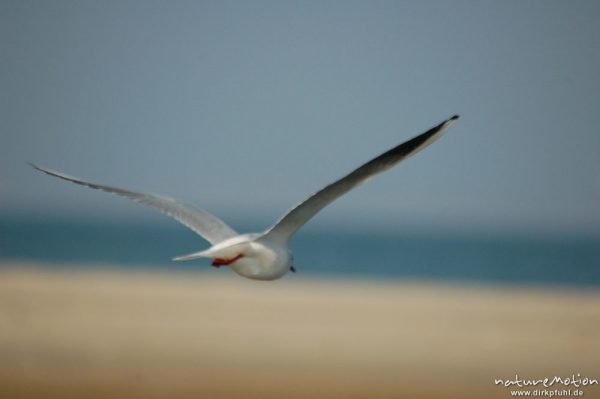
x=244 y=108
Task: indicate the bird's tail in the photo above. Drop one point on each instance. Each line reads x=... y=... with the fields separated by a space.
x=195 y=255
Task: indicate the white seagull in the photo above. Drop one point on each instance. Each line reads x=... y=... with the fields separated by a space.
x=264 y=256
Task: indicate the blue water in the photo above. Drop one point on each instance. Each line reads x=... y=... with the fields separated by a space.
x=444 y=257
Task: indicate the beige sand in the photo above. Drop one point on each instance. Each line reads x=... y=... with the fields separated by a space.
x=118 y=334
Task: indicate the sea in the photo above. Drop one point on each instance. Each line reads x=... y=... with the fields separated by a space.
x=343 y=253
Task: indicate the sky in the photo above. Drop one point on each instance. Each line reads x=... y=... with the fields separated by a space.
x=246 y=107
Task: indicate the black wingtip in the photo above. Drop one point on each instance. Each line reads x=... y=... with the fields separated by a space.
x=39 y=168
x=34 y=166
x=455 y=117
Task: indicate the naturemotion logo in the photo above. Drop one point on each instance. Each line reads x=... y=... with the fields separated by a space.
x=559 y=385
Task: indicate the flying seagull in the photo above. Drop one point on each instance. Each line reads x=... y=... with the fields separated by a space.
x=264 y=256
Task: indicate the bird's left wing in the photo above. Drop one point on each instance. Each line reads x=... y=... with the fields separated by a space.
x=203 y=223
x=296 y=217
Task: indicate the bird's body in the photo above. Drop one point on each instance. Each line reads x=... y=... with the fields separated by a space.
x=254 y=256
x=264 y=256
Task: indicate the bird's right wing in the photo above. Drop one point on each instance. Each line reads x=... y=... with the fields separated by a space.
x=203 y=223
x=296 y=217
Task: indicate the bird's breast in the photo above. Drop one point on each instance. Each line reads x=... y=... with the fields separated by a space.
x=263 y=261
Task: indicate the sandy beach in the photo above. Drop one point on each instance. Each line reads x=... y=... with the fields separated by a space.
x=107 y=333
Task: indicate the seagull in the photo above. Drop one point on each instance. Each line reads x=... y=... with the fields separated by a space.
x=264 y=256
